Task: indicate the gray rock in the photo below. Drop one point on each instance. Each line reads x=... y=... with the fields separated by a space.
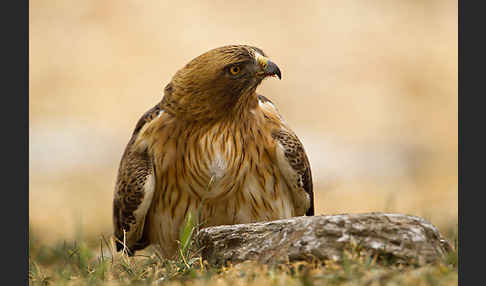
x=403 y=238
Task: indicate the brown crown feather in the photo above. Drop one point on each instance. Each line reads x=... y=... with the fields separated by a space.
x=203 y=89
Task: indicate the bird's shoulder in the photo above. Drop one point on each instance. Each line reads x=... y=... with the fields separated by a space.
x=269 y=109
x=146 y=118
x=136 y=158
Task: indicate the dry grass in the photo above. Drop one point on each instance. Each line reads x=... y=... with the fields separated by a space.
x=79 y=264
x=369 y=86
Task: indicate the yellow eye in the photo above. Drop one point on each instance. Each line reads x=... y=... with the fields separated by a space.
x=235 y=70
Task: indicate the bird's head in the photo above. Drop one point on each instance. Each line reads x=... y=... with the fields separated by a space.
x=218 y=82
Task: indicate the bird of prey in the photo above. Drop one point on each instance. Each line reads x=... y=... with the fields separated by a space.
x=212 y=145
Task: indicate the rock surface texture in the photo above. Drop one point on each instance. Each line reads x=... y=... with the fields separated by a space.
x=403 y=238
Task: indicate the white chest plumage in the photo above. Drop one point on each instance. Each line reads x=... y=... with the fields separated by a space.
x=227 y=176
x=242 y=171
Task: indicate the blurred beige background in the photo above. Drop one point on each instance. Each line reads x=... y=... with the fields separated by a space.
x=369 y=86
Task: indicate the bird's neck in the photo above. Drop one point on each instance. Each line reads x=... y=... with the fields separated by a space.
x=212 y=112
x=244 y=105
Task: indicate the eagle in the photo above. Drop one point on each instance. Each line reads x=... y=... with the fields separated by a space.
x=211 y=146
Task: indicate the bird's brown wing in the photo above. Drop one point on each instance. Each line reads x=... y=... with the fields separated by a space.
x=134 y=190
x=293 y=160
x=297 y=159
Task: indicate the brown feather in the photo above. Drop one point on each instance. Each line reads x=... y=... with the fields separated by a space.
x=135 y=167
x=215 y=146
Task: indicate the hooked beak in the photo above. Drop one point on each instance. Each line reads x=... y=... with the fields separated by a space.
x=267 y=67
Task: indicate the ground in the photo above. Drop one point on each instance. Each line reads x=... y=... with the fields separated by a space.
x=79 y=263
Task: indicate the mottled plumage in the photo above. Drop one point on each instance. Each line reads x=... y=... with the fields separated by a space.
x=214 y=145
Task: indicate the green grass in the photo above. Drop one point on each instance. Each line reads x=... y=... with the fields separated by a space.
x=89 y=263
